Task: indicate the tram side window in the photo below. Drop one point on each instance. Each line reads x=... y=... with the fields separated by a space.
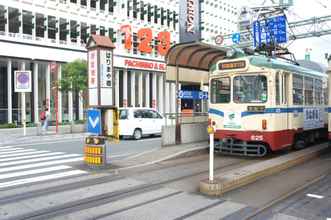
x=318 y=92
x=220 y=90
x=297 y=90
x=309 y=89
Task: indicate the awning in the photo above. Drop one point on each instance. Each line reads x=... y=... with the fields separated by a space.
x=193 y=60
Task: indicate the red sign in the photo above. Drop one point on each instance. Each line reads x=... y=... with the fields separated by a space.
x=145 y=38
x=144 y=64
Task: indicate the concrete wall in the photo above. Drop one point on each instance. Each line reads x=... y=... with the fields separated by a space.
x=168 y=135
x=194 y=132
x=190 y=133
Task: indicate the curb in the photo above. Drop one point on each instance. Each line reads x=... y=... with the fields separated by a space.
x=245 y=175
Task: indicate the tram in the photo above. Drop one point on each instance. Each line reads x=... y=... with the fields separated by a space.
x=260 y=104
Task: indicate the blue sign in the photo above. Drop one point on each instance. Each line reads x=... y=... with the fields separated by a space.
x=186 y=94
x=271 y=30
x=236 y=38
x=94 y=121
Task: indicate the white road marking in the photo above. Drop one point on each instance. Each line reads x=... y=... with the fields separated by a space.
x=11 y=149
x=18 y=151
x=46 y=142
x=120 y=155
x=37 y=160
x=36 y=171
x=30 y=151
x=8 y=169
x=315 y=196
x=30 y=156
x=6 y=147
x=149 y=139
x=41 y=178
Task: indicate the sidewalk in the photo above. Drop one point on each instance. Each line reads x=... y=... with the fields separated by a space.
x=18 y=138
x=156 y=156
x=10 y=135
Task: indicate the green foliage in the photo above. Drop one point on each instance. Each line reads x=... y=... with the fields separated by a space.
x=74 y=76
x=12 y=125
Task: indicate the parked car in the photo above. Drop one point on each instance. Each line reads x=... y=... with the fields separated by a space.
x=139 y=122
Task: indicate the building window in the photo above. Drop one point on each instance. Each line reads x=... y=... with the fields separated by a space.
x=93 y=29
x=112 y=34
x=142 y=11
x=73 y=1
x=135 y=8
x=156 y=14
x=52 y=27
x=103 y=4
x=149 y=13
x=73 y=31
x=83 y=2
x=3 y=19
x=83 y=32
x=40 y=25
x=102 y=31
x=135 y=44
x=27 y=22
x=112 y=5
x=63 y=29
x=93 y=4
x=14 y=20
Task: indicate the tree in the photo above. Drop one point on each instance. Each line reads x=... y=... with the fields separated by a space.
x=74 y=76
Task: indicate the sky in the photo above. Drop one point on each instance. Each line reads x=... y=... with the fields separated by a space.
x=304 y=9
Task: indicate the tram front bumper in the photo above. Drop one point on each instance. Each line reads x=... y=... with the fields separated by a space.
x=233 y=146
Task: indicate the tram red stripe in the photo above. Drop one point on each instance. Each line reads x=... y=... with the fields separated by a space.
x=276 y=139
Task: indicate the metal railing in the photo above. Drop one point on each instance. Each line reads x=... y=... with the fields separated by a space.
x=185 y=118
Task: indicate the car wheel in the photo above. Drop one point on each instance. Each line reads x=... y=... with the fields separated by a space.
x=137 y=134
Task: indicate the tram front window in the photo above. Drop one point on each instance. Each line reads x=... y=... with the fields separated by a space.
x=220 y=90
x=250 y=89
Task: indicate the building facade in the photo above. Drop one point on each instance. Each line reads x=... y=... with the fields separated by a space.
x=218 y=17
x=42 y=35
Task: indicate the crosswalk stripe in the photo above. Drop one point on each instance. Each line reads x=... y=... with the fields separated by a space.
x=36 y=171
x=18 y=151
x=27 y=166
x=30 y=156
x=41 y=178
x=37 y=160
x=6 y=147
x=24 y=153
x=11 y=149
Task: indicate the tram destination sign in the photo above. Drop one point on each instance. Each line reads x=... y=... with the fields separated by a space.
x=232 y=65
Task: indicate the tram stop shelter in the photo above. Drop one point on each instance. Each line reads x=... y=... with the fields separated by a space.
x=190 y=63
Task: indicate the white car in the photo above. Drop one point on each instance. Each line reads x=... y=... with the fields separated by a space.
x=138 y=122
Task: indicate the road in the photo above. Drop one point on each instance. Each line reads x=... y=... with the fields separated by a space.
x=74 y=145
x=42 y=188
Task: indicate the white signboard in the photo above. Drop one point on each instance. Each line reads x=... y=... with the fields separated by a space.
x=313 y=118
x=93 y=77
x=106 y=67
x=106 y=77
x=232 y=119
x=23 y=82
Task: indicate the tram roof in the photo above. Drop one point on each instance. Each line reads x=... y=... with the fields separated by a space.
x=263 y=61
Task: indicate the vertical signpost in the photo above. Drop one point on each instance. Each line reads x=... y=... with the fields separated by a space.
x=23 y=84
x=56 y=101
x=102 y=120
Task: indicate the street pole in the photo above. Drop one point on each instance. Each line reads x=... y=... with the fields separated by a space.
x=23 y=113
x=211 y=131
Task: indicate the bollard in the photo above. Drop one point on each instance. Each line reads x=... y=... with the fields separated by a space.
x=96 y=151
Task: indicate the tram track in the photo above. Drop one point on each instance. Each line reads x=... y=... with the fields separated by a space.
x=285 y=196
x=102 y=199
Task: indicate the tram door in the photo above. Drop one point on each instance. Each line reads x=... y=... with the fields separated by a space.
x=283 y=100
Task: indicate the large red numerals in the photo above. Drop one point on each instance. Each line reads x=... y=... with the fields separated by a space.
x=145 y=37
x=126 y=29
x=164 y=42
